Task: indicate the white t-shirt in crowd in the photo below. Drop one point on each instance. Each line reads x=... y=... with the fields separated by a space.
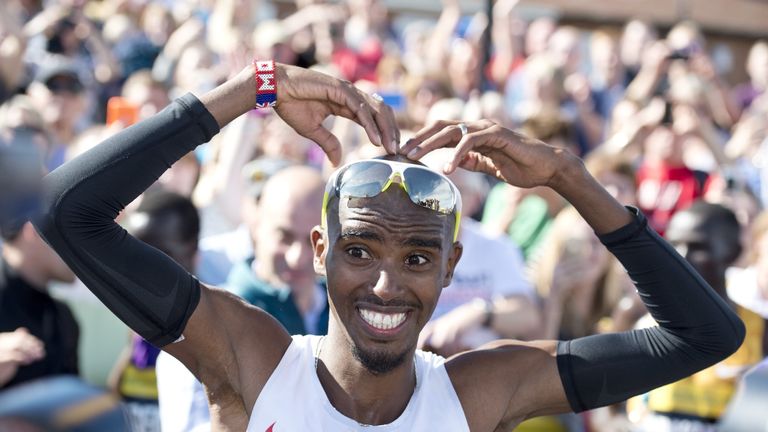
x=490 y=267
x=182 y=399
x=294 y=400
x=741 y=285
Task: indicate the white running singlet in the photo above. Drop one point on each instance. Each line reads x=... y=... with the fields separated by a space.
x=294 y=400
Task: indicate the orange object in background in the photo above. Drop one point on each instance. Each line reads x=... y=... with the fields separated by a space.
x=120 y=109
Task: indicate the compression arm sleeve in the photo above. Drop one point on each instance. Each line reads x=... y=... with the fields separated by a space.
x=146 y=289
x=696 y=327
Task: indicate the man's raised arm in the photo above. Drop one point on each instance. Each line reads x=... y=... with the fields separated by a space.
x=696 y=327
x=142 y=286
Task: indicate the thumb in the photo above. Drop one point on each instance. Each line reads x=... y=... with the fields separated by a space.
x=327 y=141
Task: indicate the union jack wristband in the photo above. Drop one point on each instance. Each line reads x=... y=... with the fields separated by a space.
x=266 y=84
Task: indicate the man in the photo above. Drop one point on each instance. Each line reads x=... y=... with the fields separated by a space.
x=38 y=335
x=386 y=257
x=279 y=278
x=708 y=236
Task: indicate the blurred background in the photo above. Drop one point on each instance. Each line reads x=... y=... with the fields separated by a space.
x=666 y=101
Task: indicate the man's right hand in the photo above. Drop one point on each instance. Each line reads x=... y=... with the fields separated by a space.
x=307 y=97
x=18 y=348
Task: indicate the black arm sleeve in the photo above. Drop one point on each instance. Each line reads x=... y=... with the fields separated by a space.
x=146 y=289
x=696 y=327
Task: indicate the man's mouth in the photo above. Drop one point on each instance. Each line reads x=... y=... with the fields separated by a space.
x=382 y=321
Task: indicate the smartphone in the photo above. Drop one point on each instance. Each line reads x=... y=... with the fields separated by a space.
x=122 y=110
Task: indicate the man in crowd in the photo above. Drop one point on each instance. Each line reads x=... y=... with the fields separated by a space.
x=279 y=278
x=489 y=297
x=38 y=335
x=708 y=237
x=387 y=247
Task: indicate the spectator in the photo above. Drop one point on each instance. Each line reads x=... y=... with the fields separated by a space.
x=489 y=297
x=279 y=278
x=38 y=334
x=170 y=223
x=707 y=235
x=757 y=69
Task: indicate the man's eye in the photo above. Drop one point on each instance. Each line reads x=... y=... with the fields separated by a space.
x=415 y=260
x=358 y=253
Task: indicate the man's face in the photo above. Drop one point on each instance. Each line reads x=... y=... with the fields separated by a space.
x=386 y=260
x=283 y=254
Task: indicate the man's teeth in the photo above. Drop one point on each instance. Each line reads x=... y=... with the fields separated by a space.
x=382 y=321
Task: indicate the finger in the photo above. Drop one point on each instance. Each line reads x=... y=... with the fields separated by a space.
x=477 y=162
x=327 y=141
x=363 y=116
x=467 y=143
x=390 y=134
x=424 y=134
x=448 y=137
x=481 y=141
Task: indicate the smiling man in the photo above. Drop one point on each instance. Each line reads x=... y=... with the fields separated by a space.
x=388 y=246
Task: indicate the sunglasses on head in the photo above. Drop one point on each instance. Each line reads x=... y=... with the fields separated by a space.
x=368 y=178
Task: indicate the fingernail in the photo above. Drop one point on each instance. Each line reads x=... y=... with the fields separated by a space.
x=412 y=154
x=395 y=146
x=447 y=168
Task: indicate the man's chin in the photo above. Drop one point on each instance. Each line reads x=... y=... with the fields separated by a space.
x=380 y=360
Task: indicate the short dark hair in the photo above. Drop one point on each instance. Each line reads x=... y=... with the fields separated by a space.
x=721 y=223
x=160 y=203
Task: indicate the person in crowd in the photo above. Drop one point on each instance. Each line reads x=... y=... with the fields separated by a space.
x=707 y=235
x=38 y=334
x=635 y=40
x=748 y=287
x=526 y=214
x=279 y=278
x=169 y=222
x=757 y=69
x=386 y=255
x=59 y=95
x=489 y=297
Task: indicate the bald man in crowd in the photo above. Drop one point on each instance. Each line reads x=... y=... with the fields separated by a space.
x=280 y=278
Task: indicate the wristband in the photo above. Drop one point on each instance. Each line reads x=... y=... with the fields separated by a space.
x=266 y=83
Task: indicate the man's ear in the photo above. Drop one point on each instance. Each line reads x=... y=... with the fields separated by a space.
x=320 y=248
x=453 y=260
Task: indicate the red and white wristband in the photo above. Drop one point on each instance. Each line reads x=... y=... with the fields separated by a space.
x=266 y=83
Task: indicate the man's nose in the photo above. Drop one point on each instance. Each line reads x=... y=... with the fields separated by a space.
x=386 y=286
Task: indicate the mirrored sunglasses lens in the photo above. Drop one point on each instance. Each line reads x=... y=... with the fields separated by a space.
x=429 y=190
x=364 y=179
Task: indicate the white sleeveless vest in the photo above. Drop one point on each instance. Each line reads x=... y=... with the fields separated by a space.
x=294 y=400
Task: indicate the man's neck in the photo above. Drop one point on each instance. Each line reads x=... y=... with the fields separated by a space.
x=356 y=392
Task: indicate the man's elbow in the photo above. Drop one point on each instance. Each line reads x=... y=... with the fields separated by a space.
x=736 y=337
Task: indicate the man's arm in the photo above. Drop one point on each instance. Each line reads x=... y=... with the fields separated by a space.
x=144 y=287
x=696 y=328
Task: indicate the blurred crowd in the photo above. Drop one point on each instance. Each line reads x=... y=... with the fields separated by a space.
x=651 y=112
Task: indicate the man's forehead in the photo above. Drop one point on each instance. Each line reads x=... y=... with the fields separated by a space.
x=391 y=211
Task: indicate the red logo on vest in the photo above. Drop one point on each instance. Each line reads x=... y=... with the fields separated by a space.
x=269 y=429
